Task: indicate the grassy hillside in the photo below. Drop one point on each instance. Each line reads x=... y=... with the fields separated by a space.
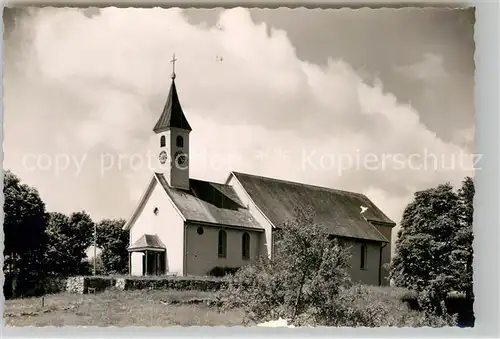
x=155 y=308
x=119 y=308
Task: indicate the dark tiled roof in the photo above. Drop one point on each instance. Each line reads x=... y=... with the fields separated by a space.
x=148 y=240
x=172 y=115
x=338 y=210
x=210 y=202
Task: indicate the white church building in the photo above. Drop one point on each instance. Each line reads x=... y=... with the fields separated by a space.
x=186 y=226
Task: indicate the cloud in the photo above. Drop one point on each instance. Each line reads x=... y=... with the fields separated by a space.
x=464 y=136
x=93 y=87
x=429 y=69
x=394 y=206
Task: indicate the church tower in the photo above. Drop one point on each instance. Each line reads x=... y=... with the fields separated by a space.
x=171 y=140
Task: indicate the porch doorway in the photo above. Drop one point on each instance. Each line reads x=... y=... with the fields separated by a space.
x=153 y=263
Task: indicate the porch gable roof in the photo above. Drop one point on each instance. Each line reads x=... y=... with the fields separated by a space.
x=147 y=241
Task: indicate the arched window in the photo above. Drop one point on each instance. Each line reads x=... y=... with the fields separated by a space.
x=364 y=257
x=245 y=246
x=179 y=141
x=222 y=251
x=162 y=141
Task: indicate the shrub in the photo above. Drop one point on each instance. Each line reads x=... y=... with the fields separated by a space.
x=35 y=287
x=454 y=304
x=222 y=271
x=371 y=306
x=163 y=283
x=100 y=283
x=303 y=281
x=463 y=307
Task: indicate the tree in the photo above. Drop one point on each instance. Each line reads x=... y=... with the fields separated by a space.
x=434 y=246
x=100 y=270
x=24 y=229
x=463 y=254
x=425 y=239
x=113 y=241
x=301 y=283
x=69 y=238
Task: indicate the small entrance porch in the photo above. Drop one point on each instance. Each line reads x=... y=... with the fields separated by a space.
x=153 y=252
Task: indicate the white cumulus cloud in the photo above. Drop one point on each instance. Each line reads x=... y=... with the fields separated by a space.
x=92 y=86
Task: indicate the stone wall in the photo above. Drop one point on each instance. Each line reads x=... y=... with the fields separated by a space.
x=75 y=285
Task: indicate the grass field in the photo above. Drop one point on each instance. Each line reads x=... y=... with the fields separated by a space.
x=118 y=308
x=162 y=308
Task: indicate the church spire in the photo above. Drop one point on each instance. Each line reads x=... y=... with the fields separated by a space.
x=172 y=115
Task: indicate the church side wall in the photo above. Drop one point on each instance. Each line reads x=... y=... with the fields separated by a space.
x=202 y=249
x=370 y=274
x=168 y=225
x=386 y=251
x=266 y=244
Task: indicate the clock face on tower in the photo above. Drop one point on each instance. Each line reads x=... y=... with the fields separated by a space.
x=162 y=157
x=180 y=157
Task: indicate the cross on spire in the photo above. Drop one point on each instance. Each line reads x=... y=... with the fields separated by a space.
x=173 y=66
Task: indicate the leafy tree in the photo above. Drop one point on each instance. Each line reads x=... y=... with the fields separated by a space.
x=303 y=281
x=425 y=239
x=100 y=270
x=113 y=241
x=24 y=229
x=69 y=237
x=434 y=246
x=463 y=254
x=59 y=258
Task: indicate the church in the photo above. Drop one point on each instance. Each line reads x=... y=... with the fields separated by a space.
x=184 y=226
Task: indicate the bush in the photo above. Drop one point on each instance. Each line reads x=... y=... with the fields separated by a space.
x=99 y=283
x=455 y=304
x=464 y=307
x=223 y=271
x=81 y=284
x=162 y=283
x=34 y=287
x=374 y=307
x=302 y=283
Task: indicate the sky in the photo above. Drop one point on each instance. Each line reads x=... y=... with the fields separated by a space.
x=347 y=99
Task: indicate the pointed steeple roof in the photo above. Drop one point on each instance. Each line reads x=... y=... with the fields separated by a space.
x=172 y=115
